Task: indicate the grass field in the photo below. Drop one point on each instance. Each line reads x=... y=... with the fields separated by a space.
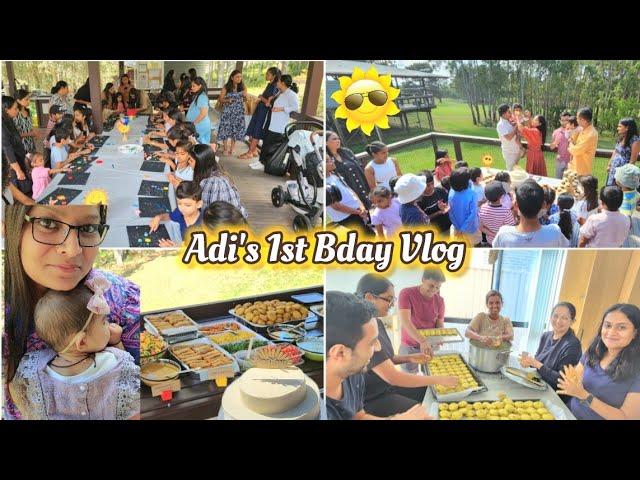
x=453 y=117
x=165 y=283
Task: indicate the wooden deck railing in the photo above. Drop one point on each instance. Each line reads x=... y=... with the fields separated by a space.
x=458 y=140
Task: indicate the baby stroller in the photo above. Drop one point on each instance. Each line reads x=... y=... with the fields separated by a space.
x=303 y=160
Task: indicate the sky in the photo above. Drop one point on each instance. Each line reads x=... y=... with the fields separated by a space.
x=440 y=71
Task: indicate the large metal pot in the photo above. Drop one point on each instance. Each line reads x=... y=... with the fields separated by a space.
x=489 y=360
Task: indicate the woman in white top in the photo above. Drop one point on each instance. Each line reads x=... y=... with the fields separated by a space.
x=382 y=168
x=285 y=102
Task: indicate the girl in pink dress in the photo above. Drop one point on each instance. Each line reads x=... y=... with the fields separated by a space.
x=85 y=374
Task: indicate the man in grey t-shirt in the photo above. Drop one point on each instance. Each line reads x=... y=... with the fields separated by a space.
x=529 y=233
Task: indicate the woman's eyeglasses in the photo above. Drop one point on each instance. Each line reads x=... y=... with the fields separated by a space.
x=391 y=301
x=376 y=97
x=54 y=232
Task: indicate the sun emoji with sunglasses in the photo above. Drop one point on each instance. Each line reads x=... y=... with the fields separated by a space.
x=366 y=100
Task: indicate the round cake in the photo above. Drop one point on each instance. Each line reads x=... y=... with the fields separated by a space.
x=272 y=394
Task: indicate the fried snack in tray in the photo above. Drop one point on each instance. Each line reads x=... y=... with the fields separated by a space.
x=271 y=312
x=219 y=328
x=200 y=356
x=165 y=321
x=231 y=337
x=503 y=409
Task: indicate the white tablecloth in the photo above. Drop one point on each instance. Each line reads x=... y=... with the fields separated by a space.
x=120 y=176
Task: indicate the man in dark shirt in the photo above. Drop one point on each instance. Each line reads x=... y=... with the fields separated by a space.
x=352 y=339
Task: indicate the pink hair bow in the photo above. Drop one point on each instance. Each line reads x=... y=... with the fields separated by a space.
x=98 y=304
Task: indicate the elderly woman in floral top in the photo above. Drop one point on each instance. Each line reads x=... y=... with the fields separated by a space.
x=54 y=248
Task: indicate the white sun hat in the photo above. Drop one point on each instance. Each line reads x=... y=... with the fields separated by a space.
x=410 y=187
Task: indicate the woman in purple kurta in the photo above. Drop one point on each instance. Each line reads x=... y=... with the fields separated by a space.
x=33 y=267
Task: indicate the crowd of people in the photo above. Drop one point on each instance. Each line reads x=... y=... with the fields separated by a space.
x=456 y=201
x=363 y=383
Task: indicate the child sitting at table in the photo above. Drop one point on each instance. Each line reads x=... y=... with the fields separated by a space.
x=609 y=228
x=628 y=179
x=85 y=373
x=121 y=105
x=493 y=214
x=478 y=188
x=385 y=217
x=183 y=168
x=443 y=165
x=463 y=206
x=40 y=175
x=567 y=219
x=60 y=141
x=189 y=199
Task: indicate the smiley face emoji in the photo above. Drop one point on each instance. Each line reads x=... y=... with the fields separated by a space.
x=366 y=100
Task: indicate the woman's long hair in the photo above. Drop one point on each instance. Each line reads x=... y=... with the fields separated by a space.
x=632 y=131
x=627 y=363
x=206 y=164
x=590 y=186
x=542 y=127
x=229 y=85
x=200 y=81
x=20 y=301
x=565 y=202
x=56 y=88
x=108 y=96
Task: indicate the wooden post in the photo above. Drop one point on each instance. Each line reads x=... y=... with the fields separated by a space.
x=434 y=142
x=96 y=101
x=311 y=98
x=239 y=65
x=12 y=79
x=458 y=150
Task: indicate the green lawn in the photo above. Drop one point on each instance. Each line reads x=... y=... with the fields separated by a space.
x=452 y=116
x=165 y=283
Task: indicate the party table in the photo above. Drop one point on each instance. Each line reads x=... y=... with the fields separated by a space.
x=115 y=169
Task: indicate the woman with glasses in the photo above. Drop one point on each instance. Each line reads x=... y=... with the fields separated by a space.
x=606 y=383
x=389 y=391
x=348 y=167
x=54 y=248
x=558 y=347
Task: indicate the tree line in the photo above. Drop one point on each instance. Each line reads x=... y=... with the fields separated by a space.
x=547 y=87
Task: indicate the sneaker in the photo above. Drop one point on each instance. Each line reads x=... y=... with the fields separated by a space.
x=256 y=166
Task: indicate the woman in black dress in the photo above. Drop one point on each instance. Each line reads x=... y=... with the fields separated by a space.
x=348 y=167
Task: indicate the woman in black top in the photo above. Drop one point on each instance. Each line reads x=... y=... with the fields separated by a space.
x=83 y=96
x=169 y=82
x=349 y=168
x=557 y=348
x=389 y=391
x=13 y=152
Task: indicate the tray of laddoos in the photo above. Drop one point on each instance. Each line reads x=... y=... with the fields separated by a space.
x=173 y=323
x=503 y=408
x=453 y=364
x=263 y=313
x=207 y=359
x=441 y=335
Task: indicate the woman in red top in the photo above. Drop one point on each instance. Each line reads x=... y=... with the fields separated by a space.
x=535 y=136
